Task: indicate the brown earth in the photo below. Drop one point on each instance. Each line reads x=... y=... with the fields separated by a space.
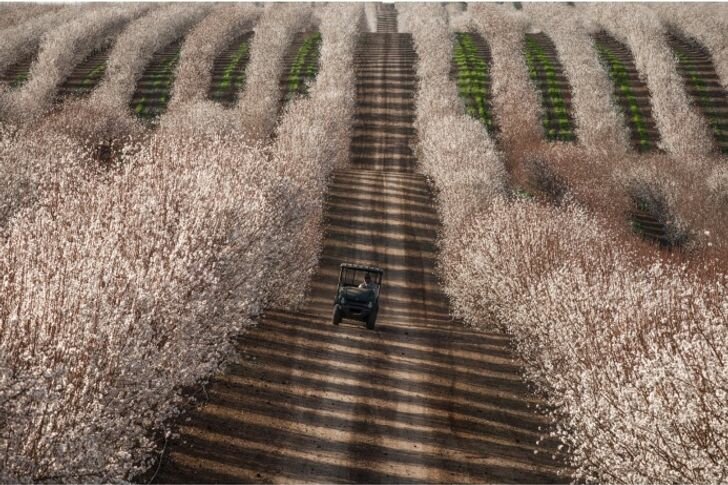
x=421 y=398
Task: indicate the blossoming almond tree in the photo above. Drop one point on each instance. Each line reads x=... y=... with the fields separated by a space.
x=515 y=102
x=189 y=109
x=370 y=9
x=628 y=348
x=259 y=102
x=135 y=47
x=599 y=171
x=454 y=150
x=122 y=286
x=27 y=160
x=138 y=277
x=548 y=169
x=133 y=286
x=313 y=139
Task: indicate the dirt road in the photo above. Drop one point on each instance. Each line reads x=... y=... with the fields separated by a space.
x=419 y=399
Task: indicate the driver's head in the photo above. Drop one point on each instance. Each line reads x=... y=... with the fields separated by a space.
x=367 y=278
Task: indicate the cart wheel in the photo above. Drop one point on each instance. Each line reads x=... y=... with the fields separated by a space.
x=372 y=320
x=337 y=315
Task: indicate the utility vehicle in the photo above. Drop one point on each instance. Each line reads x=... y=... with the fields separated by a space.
x=353 y=299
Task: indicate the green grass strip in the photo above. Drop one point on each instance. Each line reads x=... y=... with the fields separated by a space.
x=704 y=100
x=555 y=110
x=622 y=88
x=96 y=73
x=472 y=79
x=233 y=75
x=163 y=77
x=19 y=79
x=305 y=65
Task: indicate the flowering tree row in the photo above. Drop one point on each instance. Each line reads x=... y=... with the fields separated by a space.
x=122 y=287
x=274 y=32
x=370 y=10
x=89 y=122
x=189 y=108
x=551 y=169
x=515 y=101
x=104 y=115
x=28 y=158
x=136 y=46
x=259 y=103
x=629 y=349
x=599 y=127
x=118 y=291
x=666 y=183
x=26 y=155
x=447 y=136
x=313 y=139
x=598 y=170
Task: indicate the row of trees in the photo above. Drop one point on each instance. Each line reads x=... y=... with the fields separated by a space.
x=122 y=285
x=600 y=170
x=627 y=345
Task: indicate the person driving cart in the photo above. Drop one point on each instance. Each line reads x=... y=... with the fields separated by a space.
x=355 y=299
x=368 y=283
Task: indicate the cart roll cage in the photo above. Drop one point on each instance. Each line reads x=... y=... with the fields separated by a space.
x=350 y=274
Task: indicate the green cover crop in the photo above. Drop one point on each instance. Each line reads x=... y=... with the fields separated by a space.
x=17 y=75
x=473 y=79
x=233 y=77
x=623 y=90
x=96 y=73
x=19 y=80
x=305 y=66
x=557 y=121
x=87 y=75
x=162 y=77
